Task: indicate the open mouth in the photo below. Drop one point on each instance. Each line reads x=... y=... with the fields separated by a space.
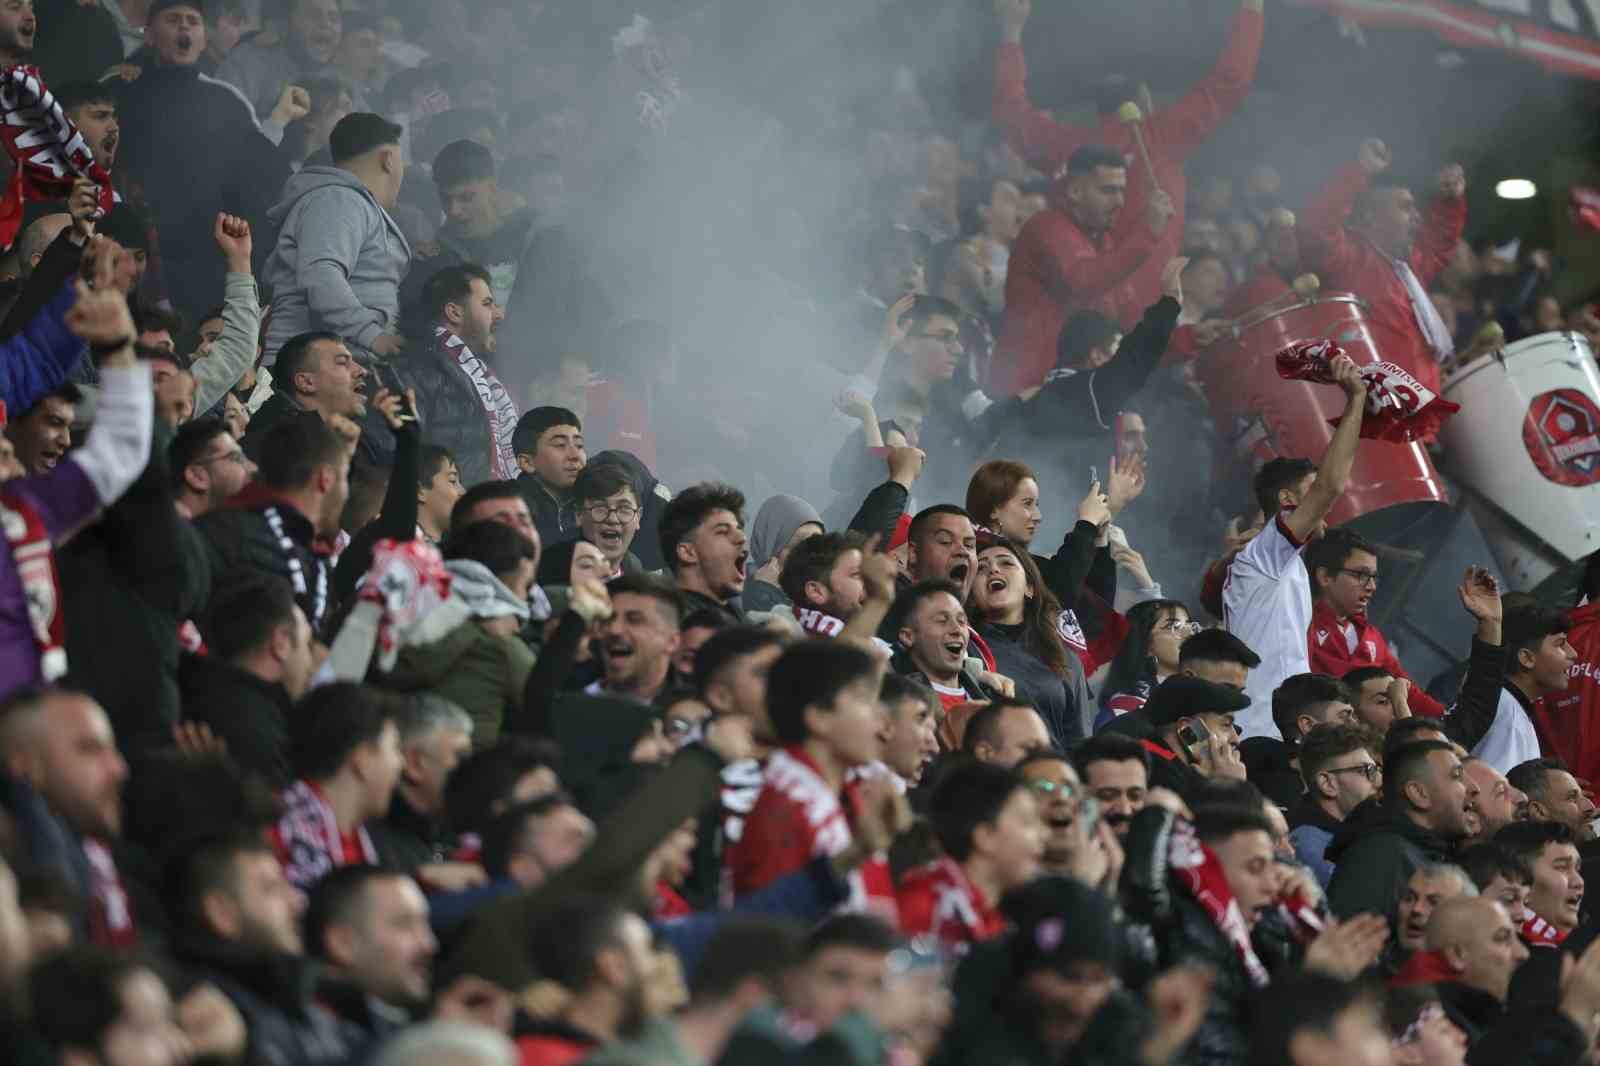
x=959 y=572
x=609 y=538
x=740 y=563
x=1575 y=902
x=48 y=460
x=616 y=649
x=956 y=649
x=997 y=585
x=1060 y=821
x=184 y=42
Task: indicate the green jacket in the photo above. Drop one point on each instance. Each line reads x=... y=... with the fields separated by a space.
x=482 y=673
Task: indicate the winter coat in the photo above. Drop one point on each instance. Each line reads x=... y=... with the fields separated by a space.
x=481 y=672
x=286 y=1026
x=1498 y=1037
x=241 y=542
x=338 y=263
x=250 y=714
x=653 y=499
x=406 y=838
x=165 y=113
x=128 y=582
x=555 y=517
x=1311 y=830
x=452 y=410
x=1373 y=859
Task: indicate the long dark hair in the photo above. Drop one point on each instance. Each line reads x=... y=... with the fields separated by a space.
x=1040 y=638
x=1134 y=662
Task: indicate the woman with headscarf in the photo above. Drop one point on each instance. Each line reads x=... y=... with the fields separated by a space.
x=782 y=522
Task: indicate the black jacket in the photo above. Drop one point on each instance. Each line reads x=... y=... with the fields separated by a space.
x=397 y=520
x=274 y=994
x=1272 y=768
x=128 y=582
x=1086 y=403
x=1498 y=1037
x=452 y=411
x=250 y=714
x=1168 y=769
x=375 y=448
x=406 y=838
x=242 y=542
x=653 y=499
x=164 y=114
x=556 y=518
x=1184 y=932
x=695 y=601
x=1374 y=855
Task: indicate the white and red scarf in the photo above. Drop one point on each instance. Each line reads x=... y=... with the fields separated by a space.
x=35 y=561
x=798 y=818
x=110 y=915
x=307 y=838
x=46 y=148
x=818 y=623
x=1199 y=873
x=1536 y=932
x=498 y=406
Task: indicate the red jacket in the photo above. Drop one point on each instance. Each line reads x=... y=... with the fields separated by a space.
x=1265 y=285
x=941 y=900
x=1057 y=269
x=1348 y=262
x=796 y=819
x=1331 y=654
x=1567 y=722
x=1172 y=134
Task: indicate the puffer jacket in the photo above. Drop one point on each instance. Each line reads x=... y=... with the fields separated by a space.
x=481 y=672
x=338 y=262
x=1185 y=932
x=452 y=412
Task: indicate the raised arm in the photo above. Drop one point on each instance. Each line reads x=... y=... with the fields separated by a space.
x=1442 y=224
x=1333 y=473
x=1181 y=128
x=1326 y=245
x=1035 y=134
x=235 y=350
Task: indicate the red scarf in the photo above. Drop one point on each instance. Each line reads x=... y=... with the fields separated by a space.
x=1424 y=968
x=35 y=561
x=939 y=899
x=668 y=904
x=1539 y=933
x=47 y=150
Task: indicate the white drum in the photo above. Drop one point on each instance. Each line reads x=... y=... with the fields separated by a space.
x=1526 y=442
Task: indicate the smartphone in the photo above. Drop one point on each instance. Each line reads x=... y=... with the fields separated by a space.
x=1194 y=737
x=1089 y=814
x=389 y=378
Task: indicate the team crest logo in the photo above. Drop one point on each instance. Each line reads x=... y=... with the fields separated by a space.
x=1562 y=435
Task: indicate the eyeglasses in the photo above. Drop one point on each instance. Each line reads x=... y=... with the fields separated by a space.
x=599 y=512
x=1176 y=625
x=1370 y=770
x=1050 y=788
x=235 y=456
x=1366 y=578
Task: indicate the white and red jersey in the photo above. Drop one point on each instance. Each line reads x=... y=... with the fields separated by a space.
x=798 y=818
x=939 y=899
x=1266 y=602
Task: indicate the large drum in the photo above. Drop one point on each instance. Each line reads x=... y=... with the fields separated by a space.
x=1259 y=412
x=1526 y=442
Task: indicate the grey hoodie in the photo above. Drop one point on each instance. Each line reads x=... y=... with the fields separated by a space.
x=338 y=262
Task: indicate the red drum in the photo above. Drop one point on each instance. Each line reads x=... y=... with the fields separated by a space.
x=1261 y=416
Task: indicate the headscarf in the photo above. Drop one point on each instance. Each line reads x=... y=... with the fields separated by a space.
x=775 y=523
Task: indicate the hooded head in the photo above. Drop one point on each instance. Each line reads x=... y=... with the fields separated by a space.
x=776 y=526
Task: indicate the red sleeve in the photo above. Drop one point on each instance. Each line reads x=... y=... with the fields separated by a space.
x=1081 y=277
x=1211 y=583
x=1182 y=348
x=1418 y=700
x=1442 y=224
x=915 y=904
x=1042 y=141
x=775 y=842
x=1325 y=244
x=1187 y=124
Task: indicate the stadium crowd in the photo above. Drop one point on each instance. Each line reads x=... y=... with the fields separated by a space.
x=411 y=652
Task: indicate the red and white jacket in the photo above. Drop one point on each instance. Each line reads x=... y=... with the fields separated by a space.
x=939 y=899
x=1331 y=653
x=798 y=818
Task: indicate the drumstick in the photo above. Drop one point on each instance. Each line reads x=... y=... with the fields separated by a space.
x=1130 y=113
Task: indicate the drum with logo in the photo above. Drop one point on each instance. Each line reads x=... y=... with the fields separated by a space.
x=1261 y=416
x=1526 y=443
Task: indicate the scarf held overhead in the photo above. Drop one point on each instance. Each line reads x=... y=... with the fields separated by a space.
x=48 y=151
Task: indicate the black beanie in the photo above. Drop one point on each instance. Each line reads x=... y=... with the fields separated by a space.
x=1060 y=922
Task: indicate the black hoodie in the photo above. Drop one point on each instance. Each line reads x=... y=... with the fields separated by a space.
x=1374 y=853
